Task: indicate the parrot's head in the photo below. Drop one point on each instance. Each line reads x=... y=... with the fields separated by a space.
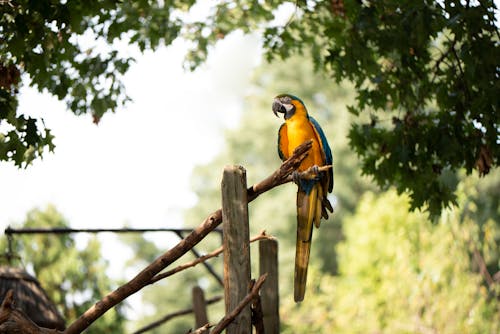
x=288 y=105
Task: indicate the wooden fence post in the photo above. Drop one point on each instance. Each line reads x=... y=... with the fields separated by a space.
x=199 y=308
x=269 y=294
x=236 y=246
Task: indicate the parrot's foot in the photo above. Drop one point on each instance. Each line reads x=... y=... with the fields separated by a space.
x=296 y=177
x=313 y=173
x=315 y=169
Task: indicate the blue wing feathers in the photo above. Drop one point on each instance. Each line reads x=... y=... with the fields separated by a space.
x=326 y=148
x=324 y=142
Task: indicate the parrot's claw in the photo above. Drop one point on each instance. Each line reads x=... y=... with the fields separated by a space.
x=296 y=177
x=312 y=174
x=315 y=172
x=315 y=169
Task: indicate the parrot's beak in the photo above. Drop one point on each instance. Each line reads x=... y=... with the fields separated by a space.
x=279 y=107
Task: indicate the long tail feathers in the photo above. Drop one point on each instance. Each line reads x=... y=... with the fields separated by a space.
x=308 y=213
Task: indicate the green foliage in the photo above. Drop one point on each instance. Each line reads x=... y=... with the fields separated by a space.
x=74 y=279
x=425 y=72
x=66 y=48
x=23 y=140
x=399 y=273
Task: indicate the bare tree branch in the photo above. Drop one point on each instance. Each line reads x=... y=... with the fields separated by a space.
x=144 y=278
x=228 y=318
x=283 y=174
x=202 y=330
x=203 y=258
x=170 y=316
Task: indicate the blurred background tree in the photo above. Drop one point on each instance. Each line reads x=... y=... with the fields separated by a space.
x=400 y=273
x=73 y=277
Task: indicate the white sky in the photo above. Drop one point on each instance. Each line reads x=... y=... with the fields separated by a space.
x=134 y=167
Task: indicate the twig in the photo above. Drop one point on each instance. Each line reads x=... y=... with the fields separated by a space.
x=173 y=315
x=228 y=318
x=444 y=55
x=142 y=279
x=483 y=269
x=206 y=265
x=491 y=16
x=203 y=258
x=462 y=74
x=202 y=330
x=281 y=175
x=257 y=313
x=7 y=2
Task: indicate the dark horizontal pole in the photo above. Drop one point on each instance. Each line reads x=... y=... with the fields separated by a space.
x=64 y=230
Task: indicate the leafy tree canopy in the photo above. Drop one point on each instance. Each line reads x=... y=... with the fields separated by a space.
x=425 y=72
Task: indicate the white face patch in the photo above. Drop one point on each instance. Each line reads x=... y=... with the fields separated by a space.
x=286 y=100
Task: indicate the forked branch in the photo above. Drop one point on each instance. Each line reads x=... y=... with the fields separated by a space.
x=280 y=176
x=228 y=318
x=203 y=258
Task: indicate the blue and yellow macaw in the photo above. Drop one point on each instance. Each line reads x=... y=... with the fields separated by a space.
x=312 y=201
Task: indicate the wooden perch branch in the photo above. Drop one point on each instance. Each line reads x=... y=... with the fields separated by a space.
x=202 y=330
x=144 y=278
x=173 y=315
x=311 y=173
x=216 y=252
x=281 y=175
x=228 y=318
